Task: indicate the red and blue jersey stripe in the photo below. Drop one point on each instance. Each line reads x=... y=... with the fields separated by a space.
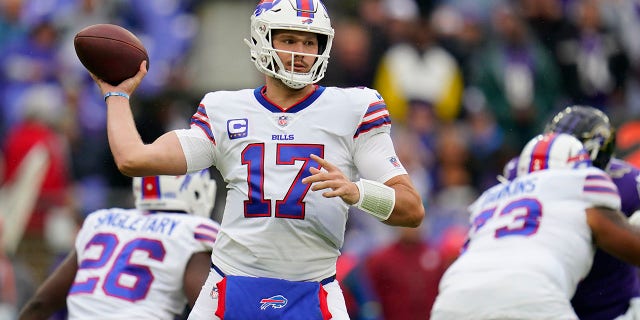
x=599 y=183
x=201 y=120
x=206 y=233
x=376 y=116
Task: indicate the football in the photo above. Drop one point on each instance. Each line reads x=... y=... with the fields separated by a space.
x=110 y=52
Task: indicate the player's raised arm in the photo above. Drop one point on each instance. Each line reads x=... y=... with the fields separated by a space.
x=132 y=156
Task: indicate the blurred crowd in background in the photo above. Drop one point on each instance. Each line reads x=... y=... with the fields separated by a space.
x=467 y=83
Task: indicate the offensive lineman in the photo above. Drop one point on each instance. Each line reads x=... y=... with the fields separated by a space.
x=532 y=239
x=611 y=290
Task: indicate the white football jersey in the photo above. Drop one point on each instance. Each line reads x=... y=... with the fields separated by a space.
x=529 y=246
x=131 y=264
x=273 y=224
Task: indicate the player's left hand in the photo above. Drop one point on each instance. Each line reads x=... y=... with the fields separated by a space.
x=330 y=177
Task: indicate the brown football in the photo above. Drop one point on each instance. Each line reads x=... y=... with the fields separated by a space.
x=110 y=52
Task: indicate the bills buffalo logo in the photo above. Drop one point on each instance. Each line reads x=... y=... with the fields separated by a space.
x=265 y=5
x=307 y=21
x=275 y=302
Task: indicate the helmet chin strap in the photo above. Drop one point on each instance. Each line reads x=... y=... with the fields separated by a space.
x=287 y=78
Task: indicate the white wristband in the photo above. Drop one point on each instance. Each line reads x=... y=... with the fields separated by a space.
x=115 y=93
x=376 y=199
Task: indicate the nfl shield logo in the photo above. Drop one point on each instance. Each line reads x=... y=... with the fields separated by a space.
x=394 y=161
x=283 y=121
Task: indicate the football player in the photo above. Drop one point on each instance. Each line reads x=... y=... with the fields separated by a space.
x=533 y=238
x=142 y=263
x=612 y=287
x=296 y=156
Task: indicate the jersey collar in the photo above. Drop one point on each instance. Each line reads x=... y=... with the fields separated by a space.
x=259 y=93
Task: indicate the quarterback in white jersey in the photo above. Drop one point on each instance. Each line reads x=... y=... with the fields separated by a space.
x=263 y=152
x=143 y=263
x=295 y=156
x=532 y=239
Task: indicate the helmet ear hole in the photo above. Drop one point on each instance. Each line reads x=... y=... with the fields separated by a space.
x=322 y=43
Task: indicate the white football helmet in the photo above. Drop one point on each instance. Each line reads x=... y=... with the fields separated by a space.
x=552 y=151
x=298 y=15
x=193 y=193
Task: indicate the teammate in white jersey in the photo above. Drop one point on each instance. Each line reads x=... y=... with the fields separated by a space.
x=532 y=239
x=143 y=263
x=295 y=156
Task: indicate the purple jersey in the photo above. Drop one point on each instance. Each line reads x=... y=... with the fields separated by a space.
x=611 y=283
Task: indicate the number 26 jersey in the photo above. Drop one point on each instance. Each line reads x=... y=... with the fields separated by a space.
x=131 y=263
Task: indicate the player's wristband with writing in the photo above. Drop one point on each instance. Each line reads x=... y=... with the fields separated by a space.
x=376 y=199
x=119 y=94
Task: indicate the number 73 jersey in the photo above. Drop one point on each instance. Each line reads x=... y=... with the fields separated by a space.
x=529 y=246
x=273 y=224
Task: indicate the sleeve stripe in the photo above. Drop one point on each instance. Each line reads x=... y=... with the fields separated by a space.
x=376 y=123
x=199 y=235
x=598 y=183
x=204 y=238
x=205 y=128
x=597 y=177
x=201 y=119
x=206 y=233
x=207 y=227
x=604 y=183
x=379 y=105
x=595 y=189
x=201 y=116
x=374 y=115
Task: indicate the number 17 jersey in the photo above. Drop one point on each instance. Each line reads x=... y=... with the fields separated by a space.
x=273 y=224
